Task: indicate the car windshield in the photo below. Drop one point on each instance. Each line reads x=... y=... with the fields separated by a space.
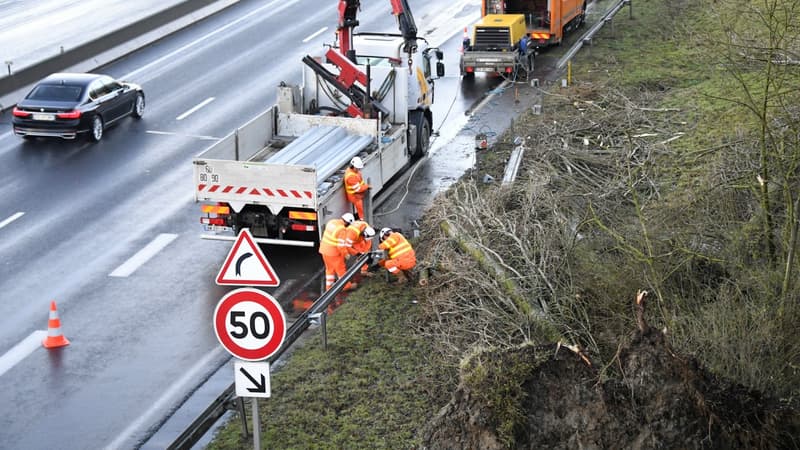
x=56 y=92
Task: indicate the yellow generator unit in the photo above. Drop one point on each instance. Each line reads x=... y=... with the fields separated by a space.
x=498 y=32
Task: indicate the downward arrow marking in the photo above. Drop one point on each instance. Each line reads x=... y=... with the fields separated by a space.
x=260 y=387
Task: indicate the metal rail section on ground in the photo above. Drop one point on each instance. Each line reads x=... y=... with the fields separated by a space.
x=224 y=401
x=587 y=37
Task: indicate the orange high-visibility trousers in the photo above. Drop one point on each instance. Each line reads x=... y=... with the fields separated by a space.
x=403 y=262
x=358 y=201
x=335 y=268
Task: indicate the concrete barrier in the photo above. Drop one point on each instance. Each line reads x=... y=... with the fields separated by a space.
x=93 y=54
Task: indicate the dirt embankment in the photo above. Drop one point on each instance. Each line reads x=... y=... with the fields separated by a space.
x=561 y=401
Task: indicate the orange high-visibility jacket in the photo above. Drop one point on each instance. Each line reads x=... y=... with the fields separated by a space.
x=355 y=239
x=353 y=183
x=333 y=238
x=398 y=247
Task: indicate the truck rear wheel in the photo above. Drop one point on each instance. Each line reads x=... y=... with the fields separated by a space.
x=423 y=132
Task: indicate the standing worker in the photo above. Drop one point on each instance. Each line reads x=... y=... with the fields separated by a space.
x=354 y=185
x=523 y=44
x=400 y=257
x=333 y=248
x=358 y=237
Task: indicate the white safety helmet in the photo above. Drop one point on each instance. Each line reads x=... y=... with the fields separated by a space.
x=348 y=218
x=357 y=162
x=369 y=232
x=385 y=232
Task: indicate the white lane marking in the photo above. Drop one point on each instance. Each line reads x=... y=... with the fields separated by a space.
x=193 y=110
x=21 y=350
x=321 y=30
x=11 y=219
x=166 y=400
x=270 y=5
x=143 y=255
x=196 y=136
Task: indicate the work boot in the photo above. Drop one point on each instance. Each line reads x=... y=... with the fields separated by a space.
x=350 y=287
x=401 y=278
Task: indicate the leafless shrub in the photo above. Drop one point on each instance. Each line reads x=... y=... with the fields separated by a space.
x=603 y=207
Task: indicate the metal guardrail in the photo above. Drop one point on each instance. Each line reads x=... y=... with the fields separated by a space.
x=587 y=37
x=192 y=434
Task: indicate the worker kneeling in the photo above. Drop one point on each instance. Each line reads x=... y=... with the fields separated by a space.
x=400 y=257
x=334 y=248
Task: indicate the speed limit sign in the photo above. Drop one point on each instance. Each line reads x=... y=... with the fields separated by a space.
x=250 y=324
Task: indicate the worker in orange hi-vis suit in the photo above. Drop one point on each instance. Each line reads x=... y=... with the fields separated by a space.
x=354 y=185
x=333 y=248
x=400 y=257
x=358 y=237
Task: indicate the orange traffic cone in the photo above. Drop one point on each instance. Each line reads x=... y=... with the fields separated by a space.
x=54 y=337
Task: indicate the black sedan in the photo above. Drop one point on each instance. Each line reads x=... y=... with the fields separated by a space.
x=68 y=104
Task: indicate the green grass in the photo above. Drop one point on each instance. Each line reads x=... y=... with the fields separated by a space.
x=365 y=391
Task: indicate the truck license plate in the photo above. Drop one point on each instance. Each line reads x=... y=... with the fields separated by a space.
x=217 y=228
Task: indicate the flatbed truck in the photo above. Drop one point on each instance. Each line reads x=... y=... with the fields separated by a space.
x=280 y=174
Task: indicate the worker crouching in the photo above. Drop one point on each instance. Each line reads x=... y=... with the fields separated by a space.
x=400 y=257
x=358 y=237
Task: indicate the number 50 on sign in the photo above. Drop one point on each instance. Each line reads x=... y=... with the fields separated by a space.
x=250 y=324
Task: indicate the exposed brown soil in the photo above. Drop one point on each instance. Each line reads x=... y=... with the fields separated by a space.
x=662 y=400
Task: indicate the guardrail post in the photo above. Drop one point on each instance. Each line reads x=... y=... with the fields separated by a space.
x=240 y=404
x=322 y=319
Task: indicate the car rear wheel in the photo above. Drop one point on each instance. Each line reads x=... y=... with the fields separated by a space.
x=96 y=133
x=138 y=106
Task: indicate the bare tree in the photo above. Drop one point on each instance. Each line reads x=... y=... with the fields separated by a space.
x=760 y=43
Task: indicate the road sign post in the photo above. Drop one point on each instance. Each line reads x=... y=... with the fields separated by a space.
x=251 y=325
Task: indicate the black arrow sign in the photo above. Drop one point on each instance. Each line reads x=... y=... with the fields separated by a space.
x=259 y=388
x=240 y=261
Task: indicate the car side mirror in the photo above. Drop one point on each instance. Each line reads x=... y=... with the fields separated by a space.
x=439 y=69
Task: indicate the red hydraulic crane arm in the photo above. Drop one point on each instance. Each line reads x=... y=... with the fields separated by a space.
x=348 y=9
x=405 y=21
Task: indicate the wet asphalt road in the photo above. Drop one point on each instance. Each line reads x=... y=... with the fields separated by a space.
x=74 y=214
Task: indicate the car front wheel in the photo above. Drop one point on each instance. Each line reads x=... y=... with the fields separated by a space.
x=97 y=129
x=138 y=106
